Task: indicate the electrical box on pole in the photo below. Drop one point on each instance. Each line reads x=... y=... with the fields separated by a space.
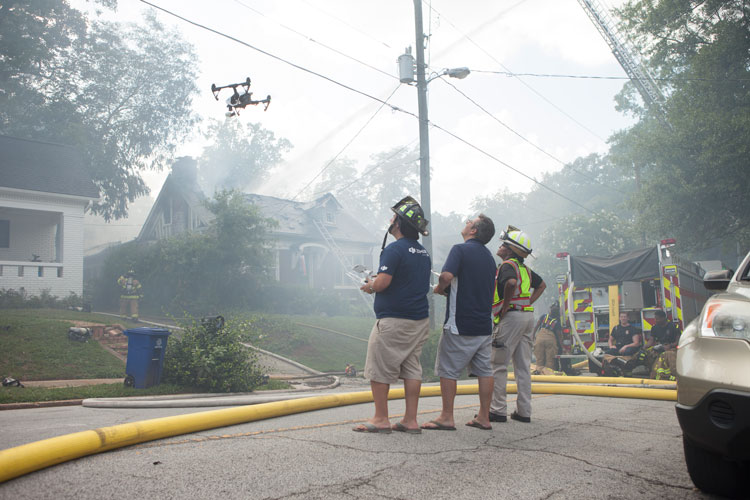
x=406 y=67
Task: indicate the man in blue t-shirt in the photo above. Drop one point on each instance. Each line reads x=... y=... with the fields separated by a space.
x=467 y=280
x=402 y=325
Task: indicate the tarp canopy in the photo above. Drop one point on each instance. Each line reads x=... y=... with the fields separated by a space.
x=628 y=266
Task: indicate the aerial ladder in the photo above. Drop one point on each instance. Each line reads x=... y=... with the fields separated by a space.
x=625 y=55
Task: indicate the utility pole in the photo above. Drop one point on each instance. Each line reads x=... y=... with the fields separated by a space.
x=424 y=144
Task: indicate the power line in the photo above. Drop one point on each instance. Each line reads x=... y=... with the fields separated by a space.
x=316 y=41
x=522 y=82
x=347 y=144
x=477 y=148
x=273 y=56
x=347 y=24
x=395 y=108
x=372 y=169
x=526 y=140
x=598 y=77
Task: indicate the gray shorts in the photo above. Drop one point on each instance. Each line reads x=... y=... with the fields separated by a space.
x=456 y=352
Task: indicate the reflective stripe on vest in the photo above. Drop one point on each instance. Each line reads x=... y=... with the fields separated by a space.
x=521 y=300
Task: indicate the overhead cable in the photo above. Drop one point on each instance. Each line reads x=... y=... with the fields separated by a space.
x=316 y=41
x=347 y=144
x=558 y=160
x=523 y=82
x=357 y=91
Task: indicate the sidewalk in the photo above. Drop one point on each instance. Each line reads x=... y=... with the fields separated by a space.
x=72 y=383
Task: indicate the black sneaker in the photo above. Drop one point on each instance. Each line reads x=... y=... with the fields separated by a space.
x=516 y=416
x=495 y=417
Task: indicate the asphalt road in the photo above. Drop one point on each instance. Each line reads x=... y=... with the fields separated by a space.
x=575 y=447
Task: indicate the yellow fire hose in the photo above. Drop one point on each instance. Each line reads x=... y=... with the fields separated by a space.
x=34 y=456
x=560 y=379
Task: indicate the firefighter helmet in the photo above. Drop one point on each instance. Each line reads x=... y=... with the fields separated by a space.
x=409 y=210
x=517 y=240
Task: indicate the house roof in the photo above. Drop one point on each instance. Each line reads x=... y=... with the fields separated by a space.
x=296 y=217
x=43 y=166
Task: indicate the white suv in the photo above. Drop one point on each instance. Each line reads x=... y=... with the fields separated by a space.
x=713 y=387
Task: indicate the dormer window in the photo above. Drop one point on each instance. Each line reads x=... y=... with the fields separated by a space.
x=330 y=217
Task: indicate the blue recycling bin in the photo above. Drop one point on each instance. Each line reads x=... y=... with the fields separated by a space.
x=146 y=347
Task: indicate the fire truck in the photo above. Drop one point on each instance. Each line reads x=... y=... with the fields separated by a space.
x=595 y=290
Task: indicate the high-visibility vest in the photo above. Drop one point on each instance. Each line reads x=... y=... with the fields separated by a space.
x=521 y=299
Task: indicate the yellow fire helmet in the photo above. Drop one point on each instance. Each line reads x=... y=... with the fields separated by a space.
x=517 y=240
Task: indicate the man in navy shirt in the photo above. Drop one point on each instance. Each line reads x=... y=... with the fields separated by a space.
x=402 y=325
x=468 y=282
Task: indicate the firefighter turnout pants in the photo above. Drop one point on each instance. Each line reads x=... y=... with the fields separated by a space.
x=514 y=334
x=545 y=349
x=129 y=303
x=665 y=366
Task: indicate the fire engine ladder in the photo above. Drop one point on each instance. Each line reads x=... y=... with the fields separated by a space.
x=624 y=53
x=346 y=265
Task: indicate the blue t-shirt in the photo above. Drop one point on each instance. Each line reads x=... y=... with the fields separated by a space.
x=469 y=308
x=406 y=297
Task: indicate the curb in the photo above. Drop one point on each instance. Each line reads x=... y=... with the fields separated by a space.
x=40 y=404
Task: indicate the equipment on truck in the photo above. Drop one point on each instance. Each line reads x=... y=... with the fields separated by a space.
x=594 y=290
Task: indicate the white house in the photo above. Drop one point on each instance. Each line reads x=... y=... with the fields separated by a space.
x=44 y=189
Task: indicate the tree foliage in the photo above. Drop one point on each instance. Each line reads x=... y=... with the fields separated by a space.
x=220 y=268
x=555 y=225
x=239 y=156
x=694 y=170
x=119 y=93
x=390 y=176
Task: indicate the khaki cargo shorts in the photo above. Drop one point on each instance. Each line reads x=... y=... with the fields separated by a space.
x=394 y=348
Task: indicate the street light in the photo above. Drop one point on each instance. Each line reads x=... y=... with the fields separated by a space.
x=406 y=66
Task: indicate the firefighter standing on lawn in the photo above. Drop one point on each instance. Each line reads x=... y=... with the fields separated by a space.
x=129 y=295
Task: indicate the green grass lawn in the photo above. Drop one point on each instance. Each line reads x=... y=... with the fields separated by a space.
x=34 y=345
x=322 y=350
x=35 y=394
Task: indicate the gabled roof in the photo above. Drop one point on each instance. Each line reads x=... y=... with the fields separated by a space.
x=43 y=166
x=296 y=218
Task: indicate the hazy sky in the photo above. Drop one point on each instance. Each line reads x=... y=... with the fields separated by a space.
x=564 y=117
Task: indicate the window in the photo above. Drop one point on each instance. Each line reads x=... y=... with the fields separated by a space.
x=4 y=234
x=167 y=214
x=330 y=217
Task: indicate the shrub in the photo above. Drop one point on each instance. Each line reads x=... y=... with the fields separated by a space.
x=11 y=299
x=212 y=360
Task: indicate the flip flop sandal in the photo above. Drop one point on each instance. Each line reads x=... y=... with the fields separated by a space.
x=399 y=427
x=438 y=426
x=371 y=429
x=476 y=424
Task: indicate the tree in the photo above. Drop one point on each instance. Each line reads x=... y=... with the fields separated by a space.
x=222 y=267
x=239 y=156
x=694 y=171
x=391 y=176
x=119 y=93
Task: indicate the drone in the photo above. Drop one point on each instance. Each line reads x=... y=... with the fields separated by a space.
x=237 y=100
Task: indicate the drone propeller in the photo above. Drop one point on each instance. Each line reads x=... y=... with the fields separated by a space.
x=237 y=100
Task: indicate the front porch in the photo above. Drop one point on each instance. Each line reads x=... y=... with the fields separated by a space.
x=32 y=252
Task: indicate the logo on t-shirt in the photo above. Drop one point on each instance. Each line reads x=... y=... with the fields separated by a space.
x=414 y=250
x=383 y=268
